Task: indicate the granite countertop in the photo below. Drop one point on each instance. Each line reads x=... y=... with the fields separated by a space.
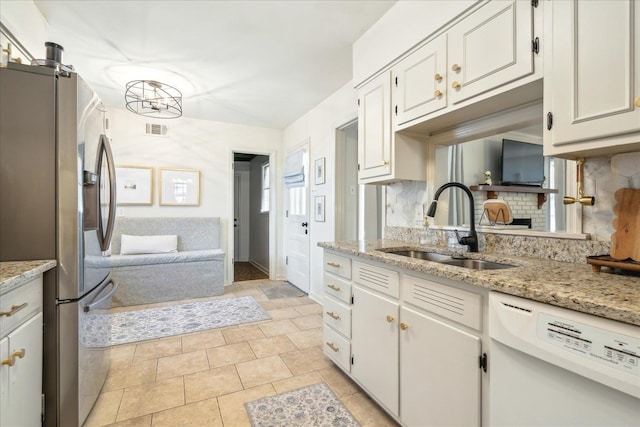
x=14 y=274
x=567 y=285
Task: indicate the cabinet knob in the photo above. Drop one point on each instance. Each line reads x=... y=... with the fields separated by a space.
x=636 y=102
x=333 y=315
x=12 y=359
x=455 y=85
x=332 y=347
x=437 y=94
x=390 y=319
x=438 y=77
x=404 y=326
x=456 y=67
x=386 y=162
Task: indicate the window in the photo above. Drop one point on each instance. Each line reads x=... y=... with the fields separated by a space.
x=264 y=206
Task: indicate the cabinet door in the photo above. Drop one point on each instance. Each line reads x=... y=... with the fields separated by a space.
x=592 y=72
x=23 y=386
x=374 y=128
x=439 y=373
x=374 y=346
x=489 y=48
x=419 y=82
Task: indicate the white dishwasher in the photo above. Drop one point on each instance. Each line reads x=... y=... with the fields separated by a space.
x=550 y=366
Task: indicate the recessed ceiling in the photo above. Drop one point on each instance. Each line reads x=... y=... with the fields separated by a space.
x=260 y=63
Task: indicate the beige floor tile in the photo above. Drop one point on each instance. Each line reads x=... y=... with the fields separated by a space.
x=283 y=313
x=292 y=302
x=200 y=414
x=297 y=382
x=158 y=348
x=150 y=398
x=230 y=354
x=232 y=407
x=306 y=360
x=144 y=421
x=243 y=333
x=308 y=338
x=339 y=382
x=262 y=371
x=308 y=322
x=105 y=410
x=308 y=309
x=278 y=327
x=122 y=356
x=267 y=305
x=255 y=293
x=182 y=364
x=202 y=341
x=138 y=373
x=367 y=412
x=272 y=345
x=212 y=383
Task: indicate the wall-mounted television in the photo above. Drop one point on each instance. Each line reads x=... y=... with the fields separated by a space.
x=522 y=163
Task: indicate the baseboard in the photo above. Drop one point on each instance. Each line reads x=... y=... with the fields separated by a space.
x=259 y=267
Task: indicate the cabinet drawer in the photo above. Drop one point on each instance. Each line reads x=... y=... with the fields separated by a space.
x=22 y=303
x=338 y=316
x=337 y=287
x=337 y=264
x=377 y=278
x=337 y=348
x=449 y=302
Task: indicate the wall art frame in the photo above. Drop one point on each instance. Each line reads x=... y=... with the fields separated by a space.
x=319 y=209
x=179 y=187
x=134 y=185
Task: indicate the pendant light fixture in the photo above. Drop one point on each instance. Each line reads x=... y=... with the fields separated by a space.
x=151 y=98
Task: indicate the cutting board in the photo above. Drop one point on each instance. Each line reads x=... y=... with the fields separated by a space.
x=626 y=237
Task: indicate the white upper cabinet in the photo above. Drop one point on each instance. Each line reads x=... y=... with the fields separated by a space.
x=419 y=81
x=592 y=77
x=489 y=48
x=374 y=128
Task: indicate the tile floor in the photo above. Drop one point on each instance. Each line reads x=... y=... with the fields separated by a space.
x=204 y=378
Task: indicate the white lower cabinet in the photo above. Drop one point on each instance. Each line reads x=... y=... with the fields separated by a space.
x=415 y=342
x=374 y=346
x=439 y=374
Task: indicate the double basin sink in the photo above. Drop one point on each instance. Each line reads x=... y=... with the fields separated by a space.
x=475 y=264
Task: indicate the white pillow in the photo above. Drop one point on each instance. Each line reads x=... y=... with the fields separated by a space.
x=130 y=245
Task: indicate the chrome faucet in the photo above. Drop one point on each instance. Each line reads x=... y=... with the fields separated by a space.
x=472 y=239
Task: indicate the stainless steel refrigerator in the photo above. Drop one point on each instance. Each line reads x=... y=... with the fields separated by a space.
x=57 y=201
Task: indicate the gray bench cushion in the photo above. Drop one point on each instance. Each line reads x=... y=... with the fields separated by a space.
x=151 y=259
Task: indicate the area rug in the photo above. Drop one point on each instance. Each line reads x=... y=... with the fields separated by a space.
x=315 y=405
x=150 y=323
x=281 y=290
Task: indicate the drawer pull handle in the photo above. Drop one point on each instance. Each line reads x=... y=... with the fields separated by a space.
x=333 y=315
x=14 y=310
x=404 y=326
x=12 y=359
x=335 y=288
x=333 y=264
x=332 y=347
x=390 y=319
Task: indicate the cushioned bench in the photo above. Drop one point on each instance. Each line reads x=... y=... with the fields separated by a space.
x=195 y=270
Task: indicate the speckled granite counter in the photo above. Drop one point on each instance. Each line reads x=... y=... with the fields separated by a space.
x=14 y=274
x=563 y=284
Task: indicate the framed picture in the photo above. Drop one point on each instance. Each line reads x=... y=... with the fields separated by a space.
x=179 y=187
x=134 y=185
x=318 y=210
x=319 y=168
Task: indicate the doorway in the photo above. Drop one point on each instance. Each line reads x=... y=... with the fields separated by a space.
x=251 y=214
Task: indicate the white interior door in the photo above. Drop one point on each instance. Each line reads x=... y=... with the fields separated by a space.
x=296 y=185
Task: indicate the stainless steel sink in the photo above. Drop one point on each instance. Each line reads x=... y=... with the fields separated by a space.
x=474 y=264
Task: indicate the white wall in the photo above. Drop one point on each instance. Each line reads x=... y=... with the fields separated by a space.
x=27 y=24
x=192 y=144
x=319 y=126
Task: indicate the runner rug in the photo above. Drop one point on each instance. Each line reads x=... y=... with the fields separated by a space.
x=315 y=405
x=150 y=323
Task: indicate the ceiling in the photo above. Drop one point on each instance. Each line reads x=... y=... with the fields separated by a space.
x=259 y=63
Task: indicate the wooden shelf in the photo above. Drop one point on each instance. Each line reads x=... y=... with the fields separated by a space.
x=493 y=190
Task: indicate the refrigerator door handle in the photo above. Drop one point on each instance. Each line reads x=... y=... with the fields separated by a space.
x=94 y=303
x=104 y=236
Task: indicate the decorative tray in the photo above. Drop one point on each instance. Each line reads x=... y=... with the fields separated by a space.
x=599 y=261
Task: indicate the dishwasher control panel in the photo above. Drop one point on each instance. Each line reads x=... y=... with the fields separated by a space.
x=602 y=346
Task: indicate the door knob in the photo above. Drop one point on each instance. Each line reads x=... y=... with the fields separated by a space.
x=305 y=224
